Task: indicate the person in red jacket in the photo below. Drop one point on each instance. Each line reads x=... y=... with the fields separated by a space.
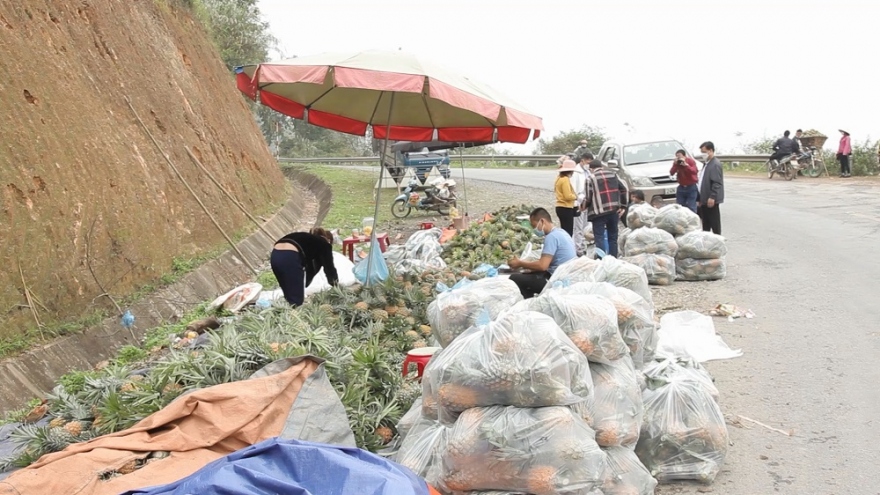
x=684 y=168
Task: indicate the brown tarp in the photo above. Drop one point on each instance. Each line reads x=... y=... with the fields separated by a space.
x=290 y=398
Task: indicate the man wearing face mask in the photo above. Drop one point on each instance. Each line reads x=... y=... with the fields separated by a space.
x=558 y=249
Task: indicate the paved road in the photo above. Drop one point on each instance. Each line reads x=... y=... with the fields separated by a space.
x=802 y=256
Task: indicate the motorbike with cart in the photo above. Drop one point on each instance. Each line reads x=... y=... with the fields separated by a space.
x=808 y=161
x=439 y=196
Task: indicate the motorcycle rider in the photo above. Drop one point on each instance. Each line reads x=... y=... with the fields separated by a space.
x=783 y=147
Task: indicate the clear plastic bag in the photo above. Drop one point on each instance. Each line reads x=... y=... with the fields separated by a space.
x=423 y=448
x=622 y=274
x=650 y=241
x=521 y=359
x=641 y=215
x=701 y=245
x=677 y=220
x=617 y=403
x=635 y=317
x=540 y=451
x=530 y=253
x=454 y=311
x=659 y=268
x=665 y=368
x=621 y=239
x=625 y=474
x=683 y=435
x=590 y=322
x=577 y=270
x=424 y=245
x=694 y=270
x=413 y=416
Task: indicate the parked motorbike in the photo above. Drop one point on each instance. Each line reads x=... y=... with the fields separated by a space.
x=810 y=162
x=439 y=196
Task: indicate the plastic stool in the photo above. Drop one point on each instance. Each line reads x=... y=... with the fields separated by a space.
x=427 y=226
x=420 y=358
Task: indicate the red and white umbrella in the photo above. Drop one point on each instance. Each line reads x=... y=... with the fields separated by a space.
x=399 y=95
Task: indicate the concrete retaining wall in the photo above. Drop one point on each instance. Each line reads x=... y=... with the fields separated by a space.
x=34 y=373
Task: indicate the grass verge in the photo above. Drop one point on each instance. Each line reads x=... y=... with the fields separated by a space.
x=352 y=196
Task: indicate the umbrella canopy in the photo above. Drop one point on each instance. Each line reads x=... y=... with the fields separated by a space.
x=350 y=92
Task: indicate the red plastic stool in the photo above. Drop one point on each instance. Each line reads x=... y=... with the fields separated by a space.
x=420 y=358
x=427 y=226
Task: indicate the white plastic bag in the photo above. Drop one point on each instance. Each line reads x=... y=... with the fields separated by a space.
x=659 y=268
x=344 y=268
x=625 y=474
x=641 y=215
x=521 y=359
x=617 y=403
x=454 y=311
x=650 y=241
x=543 y=451
x=590 y=322
x=691 y=334
x=677 y=220
x=701 y=245
x=694 y=270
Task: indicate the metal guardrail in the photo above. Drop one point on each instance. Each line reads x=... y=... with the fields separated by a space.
x=491 y=158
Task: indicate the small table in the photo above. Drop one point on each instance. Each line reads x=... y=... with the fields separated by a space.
x=349 y=243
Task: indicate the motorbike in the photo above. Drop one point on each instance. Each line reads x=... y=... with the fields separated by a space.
x=439 y=197
x=809 y=162
x=783 y=167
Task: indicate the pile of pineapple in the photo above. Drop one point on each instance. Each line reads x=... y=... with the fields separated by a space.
x=364 y=333
x=493 y=241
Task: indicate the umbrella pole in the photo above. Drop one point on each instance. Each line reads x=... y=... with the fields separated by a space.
x=463 y=183
x=379 y=190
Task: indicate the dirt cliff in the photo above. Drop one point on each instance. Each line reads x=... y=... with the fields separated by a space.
x=80 y=181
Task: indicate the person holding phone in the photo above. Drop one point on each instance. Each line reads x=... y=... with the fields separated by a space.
x=684 y=168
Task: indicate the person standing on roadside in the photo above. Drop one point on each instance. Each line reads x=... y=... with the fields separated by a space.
x=710 y=184
x=565 y=196
x=583 y=148
x=606 y=194
x=844 y=154
x=579 y=181
x=684 y=168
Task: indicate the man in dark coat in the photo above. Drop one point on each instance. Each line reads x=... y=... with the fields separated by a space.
x=710 y=185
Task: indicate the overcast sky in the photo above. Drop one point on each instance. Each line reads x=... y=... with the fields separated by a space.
x=699 y=70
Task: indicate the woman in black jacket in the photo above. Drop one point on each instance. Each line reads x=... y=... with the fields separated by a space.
x=300 y=254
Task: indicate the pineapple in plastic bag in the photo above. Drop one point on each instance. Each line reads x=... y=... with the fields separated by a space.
x=590 y=322
x=541 y=451
x=521 y=359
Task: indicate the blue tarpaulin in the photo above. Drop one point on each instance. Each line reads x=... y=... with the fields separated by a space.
x=292 y=467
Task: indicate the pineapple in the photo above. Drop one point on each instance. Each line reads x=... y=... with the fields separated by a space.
x=362 y=306
x=464 y=480
x=74 y=428
x=171 y=388
x=503 y=375
x=542 y=480
x=385 y=434
x=128 y=468
x=391 y=310
x=275 y=347
x=127 y=387
x=425 y=329
x=57 y=439
x=403 y=311
x=379 y=314
x=456 y=397
x=57 y=423
x=412 y=335
x=327 y=308
x=410 y=320
x=419 y=344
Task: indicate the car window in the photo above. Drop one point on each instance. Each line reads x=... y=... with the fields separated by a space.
x=650 y=152
x=609 y=154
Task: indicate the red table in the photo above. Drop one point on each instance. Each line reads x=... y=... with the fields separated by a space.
x=349 y=243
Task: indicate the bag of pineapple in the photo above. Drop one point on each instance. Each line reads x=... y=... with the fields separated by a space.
x=621 y=239
x=659 y=268
x=625 y=474
x=577 y=270
x=683 y=434
x=701 y=245
x=422 y=450
x=665 y=367
x=694 y=270
x=456 y=310
x=589 y=321
x=521 y=359
x=677 y=220
x=635 y=316
x=617 y=403
x=622 y=274
x=541 y=451
x=641 y=215
x=650 y=241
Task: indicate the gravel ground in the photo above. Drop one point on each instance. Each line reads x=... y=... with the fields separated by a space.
x=484 y=197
